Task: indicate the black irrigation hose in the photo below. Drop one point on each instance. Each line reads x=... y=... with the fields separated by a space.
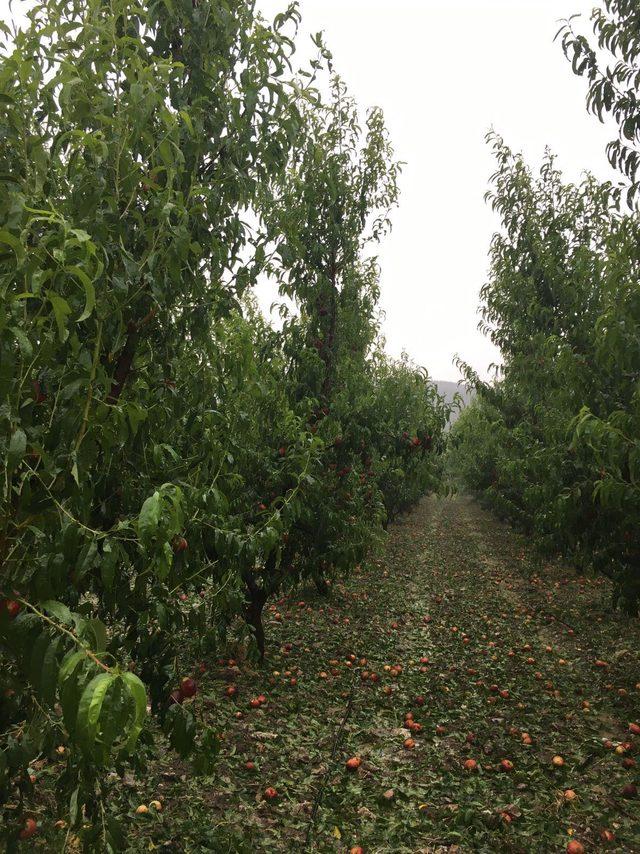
x=336 y=743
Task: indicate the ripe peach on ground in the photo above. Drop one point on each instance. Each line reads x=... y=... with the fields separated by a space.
x=188 y=687
x=28 y=829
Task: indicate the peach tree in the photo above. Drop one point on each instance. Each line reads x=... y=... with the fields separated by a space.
x=171 y=459
x=553 y=444
x=134 y=138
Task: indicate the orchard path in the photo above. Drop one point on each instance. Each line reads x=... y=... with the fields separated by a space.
x=458 y=588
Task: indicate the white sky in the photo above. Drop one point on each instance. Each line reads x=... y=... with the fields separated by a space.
x=445 y=72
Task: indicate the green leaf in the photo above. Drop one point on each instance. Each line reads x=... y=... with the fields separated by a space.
x=89 y=710
x=17 y=448
x=186 y=118
x=149 y=517
x=90 y=293
x=166 y=152
x=73 y=807
x=69 y=687
x=58 y=610
x=49 y=674
x=69 y=664
x=180 y=726
x=139 y=694
x=61 y=311
x=10 y=240
x=23 y=342
x=37 y=656
x=99 y=632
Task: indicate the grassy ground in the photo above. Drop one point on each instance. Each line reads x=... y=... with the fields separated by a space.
x=494 y=656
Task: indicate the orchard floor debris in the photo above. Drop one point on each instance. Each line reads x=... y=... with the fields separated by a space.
x=457 y=645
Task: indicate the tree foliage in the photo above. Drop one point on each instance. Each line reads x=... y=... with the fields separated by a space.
x=612 y=68
x=159 y=438
x=553 y=443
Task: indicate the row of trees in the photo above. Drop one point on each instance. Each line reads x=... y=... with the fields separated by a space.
x=554 y=444
x=158 y=436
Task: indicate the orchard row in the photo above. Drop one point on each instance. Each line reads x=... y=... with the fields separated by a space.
x=554 y=444
x=171 y=459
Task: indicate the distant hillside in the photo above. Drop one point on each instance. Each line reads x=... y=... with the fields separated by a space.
x=448 y=390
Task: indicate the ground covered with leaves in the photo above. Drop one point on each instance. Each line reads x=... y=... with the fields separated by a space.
x=485 y=700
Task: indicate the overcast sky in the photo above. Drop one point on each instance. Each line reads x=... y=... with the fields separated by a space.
x=445 y=72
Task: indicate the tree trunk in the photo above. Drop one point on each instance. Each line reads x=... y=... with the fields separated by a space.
x=256 y=598
x=321 y=586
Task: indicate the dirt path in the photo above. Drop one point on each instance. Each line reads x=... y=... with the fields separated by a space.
x=496 y=661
